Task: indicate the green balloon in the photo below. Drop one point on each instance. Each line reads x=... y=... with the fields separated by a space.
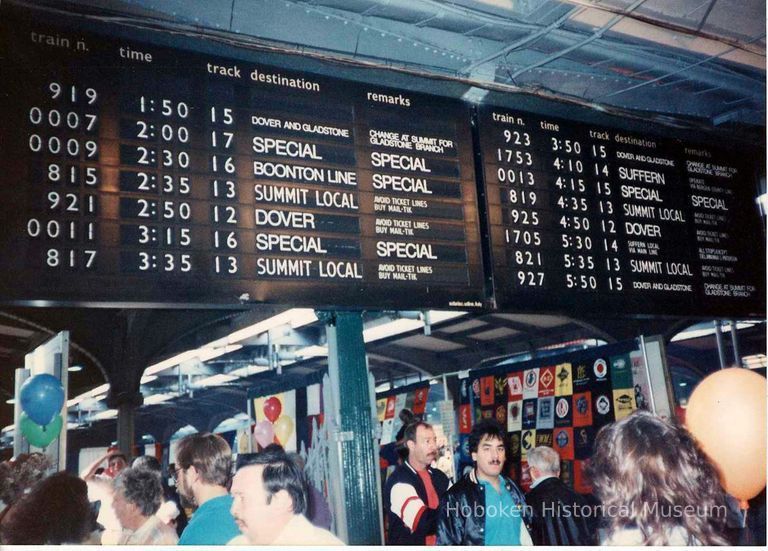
x=40 y=435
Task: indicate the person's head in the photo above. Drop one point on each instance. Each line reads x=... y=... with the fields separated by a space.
x=56 y=511
x=138 y=495
x=543 y=462
x=116 y=462
x=419 y=438
x=19 y=475
x=647 y=466
x=202 y=460
x=267 y=491
x=147 y=462
x=488 y=448
x=296 y=458
x=406 y=416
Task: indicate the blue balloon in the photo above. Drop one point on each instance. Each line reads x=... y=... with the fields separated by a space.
x=41 y=398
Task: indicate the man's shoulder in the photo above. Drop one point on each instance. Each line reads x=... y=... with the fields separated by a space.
x=463 y=486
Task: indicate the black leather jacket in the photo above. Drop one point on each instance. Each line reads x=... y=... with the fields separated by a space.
x=456 y=528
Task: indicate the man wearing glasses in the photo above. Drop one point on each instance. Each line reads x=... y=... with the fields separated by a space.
x=202 y=473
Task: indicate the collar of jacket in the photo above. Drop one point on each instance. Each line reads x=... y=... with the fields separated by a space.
x=428 y=469
x=474 y=480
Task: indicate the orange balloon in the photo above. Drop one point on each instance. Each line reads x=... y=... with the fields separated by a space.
x=726 y=414
x=283 y=429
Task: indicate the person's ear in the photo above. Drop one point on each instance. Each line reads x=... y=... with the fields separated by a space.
x=282 y=501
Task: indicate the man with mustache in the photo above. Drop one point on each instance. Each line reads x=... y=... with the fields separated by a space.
x=413 y=490
x=484 y=507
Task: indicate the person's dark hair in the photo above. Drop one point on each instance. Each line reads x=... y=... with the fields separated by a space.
x=280 y=473
x=407 y=416
x=142 y=487
x=209 y=454
x=19 y=475
x=148 y=462
x=116 y=455
x=487 y=428
x=647 y=465
x=55 y=512
x=410 y=431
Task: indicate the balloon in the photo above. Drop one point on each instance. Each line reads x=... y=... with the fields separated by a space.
x=41 y=398
x=263 y=433
x=272 y=408
x=283 y=429
x=726 y=414
x=40 y=436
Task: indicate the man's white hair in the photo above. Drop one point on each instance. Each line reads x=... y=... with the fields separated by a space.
x=545 y=459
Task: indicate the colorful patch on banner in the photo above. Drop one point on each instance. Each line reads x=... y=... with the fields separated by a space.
x=464 y=397
x=563 y=411
x=464 y=455
x=476 y=389
x=400 y=403
x=500 y=414
x=547 y=381
x=381 y=408
x=621 y=371
x=583 y=437
x=514 y=415
x=525 y=477
x=562 y=441
x=527 y=442
x=566 y=473
x=531 y=383
x=563 y=380
x=410 y=398
x=500 y=388
x=387 y=431
x=582 y=377
x=486 y=413
x=580 y=480
x=486 y=391
x=623 y=402
x=602 y=408
x=389 y=413
x=544 y=438
x=545 y=413
x=640 y=379
x=465 y=419
x=529 y=414
x=582 y=409
x=514 y=447
x=420 y=397
x=515 y=386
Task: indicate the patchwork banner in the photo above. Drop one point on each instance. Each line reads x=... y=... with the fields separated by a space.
x=582 y=409
x=515 y=416
x=515 y=386
x=563 y=380
x=562 y=442
x=563 y=411
x=531 y=384
x=546 y=382
x=623 y=402
x=545 y=413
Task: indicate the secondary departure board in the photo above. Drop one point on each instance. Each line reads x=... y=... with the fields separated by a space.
x=135 y=173
x=590 y=219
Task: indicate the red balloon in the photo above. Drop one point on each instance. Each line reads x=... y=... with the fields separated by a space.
x=272 y=408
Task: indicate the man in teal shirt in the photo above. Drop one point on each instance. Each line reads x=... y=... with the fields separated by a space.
x=484 y=507
x=202 y=472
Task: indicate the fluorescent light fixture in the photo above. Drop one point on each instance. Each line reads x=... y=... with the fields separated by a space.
x=157 y=399
x=75 y=368
x=71 y=426
x=215 y=380
x=683 y=384
x=404 y=325
x=107 y=414
x=8 y=427
x=10 y=401
x=706 y=331
x=148 y=379
x=248 y=370
x=755 y=361
x=311 y=352
x=101 y=389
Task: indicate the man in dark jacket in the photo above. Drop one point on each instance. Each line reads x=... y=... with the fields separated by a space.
x=484 y=507
x=560 y=515
x=412 y=492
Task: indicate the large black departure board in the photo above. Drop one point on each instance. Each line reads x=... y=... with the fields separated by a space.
x=135 y=173
x=590 y=219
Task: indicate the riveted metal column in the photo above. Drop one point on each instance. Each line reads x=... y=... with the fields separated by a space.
x=358 y=458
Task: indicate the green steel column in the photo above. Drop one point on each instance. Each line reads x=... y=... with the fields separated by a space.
x=348 y=373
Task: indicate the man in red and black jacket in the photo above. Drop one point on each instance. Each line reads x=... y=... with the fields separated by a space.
x=413 y=491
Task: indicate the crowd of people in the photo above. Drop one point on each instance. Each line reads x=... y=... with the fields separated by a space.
x=652 y=486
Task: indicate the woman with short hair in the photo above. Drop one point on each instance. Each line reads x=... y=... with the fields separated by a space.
x=138 y=495
x=656 y=485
